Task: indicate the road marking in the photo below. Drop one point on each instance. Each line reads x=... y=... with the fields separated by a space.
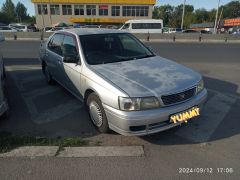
x=17 y=82
x=56 y=112
x=107 y=151
x=213 y=114
x=42 y=91
x=50 y=115
x=33 y=78
x=226 y=94
x=32 y=151
x=23 y=67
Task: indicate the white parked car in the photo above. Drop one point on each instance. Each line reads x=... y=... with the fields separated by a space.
x=143 y=26
x=173 y=30
x=7 y=29
x=20 y=27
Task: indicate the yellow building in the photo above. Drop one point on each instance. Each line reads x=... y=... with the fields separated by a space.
x=49 y=12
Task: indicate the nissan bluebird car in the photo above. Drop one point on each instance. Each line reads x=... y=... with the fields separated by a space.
x=125 y=86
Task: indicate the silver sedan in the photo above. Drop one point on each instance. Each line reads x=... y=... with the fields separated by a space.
x=126 y=87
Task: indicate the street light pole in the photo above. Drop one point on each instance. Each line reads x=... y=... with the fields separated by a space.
x=215 y=26
x=183 y=13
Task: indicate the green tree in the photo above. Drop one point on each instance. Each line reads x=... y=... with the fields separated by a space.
x=8 y=9
x=212 y=15
x=177 y=16
x=30 y=20
x=201 y=16
x=156 y=13
x=21 y=12
x=3 y=18
x=231 y=10
x=165 y=13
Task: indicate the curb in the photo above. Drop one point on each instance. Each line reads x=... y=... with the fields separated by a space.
x=69 y=152
x=32 y=151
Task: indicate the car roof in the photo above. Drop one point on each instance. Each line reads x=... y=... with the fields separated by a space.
x=89 y=31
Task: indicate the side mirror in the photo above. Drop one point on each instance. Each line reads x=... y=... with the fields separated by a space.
x=70 y=59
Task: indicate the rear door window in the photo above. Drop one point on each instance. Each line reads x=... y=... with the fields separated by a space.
x=55 y=44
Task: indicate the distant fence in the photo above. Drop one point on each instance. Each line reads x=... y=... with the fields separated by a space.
x=27 y=35
x=188 y=37
x=148 y=37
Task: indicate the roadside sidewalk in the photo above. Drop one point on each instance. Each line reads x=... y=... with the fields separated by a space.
x=55 y=151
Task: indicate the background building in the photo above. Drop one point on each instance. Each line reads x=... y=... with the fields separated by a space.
x=49 y=12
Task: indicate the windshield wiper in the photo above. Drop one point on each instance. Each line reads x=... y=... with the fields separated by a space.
x=145 y=56
x=130 y=58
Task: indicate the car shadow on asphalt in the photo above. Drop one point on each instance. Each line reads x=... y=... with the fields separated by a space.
x=19 y=61
x=37 y=109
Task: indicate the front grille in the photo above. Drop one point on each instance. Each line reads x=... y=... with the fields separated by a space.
x=179 y=97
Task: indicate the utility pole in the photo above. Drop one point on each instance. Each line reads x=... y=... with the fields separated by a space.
x=220 y=17
x=216 y=19
x=183 y=14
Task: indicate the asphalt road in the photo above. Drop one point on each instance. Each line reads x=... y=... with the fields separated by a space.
x=211 y=141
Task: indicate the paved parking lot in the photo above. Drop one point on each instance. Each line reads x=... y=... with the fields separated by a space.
x=210 y=141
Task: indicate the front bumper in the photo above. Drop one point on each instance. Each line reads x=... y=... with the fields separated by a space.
x=149 y=121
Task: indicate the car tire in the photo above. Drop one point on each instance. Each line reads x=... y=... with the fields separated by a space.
x=48 y=76
x=97 y=113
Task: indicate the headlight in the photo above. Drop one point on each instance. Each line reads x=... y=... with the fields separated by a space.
x=200 y=87
x=137 y=104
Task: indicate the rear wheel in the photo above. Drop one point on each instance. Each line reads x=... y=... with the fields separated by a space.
x=97 y=113
x=47 y=75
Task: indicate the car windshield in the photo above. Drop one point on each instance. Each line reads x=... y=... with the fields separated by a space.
x=111 y=48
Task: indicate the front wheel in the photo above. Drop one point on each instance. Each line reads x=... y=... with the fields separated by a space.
x=97 y=113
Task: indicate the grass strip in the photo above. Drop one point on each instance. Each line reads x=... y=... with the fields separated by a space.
x=9 y=142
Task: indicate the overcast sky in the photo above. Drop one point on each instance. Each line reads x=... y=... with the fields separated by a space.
x=207 y=4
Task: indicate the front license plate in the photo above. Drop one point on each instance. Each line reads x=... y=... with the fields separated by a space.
x=185 y=115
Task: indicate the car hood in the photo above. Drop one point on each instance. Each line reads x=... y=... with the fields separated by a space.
x=153 y=76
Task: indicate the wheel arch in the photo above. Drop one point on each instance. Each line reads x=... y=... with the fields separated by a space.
x=87 y=93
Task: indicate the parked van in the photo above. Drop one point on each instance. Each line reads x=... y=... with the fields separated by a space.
x=143 y=26
x=20 y=27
